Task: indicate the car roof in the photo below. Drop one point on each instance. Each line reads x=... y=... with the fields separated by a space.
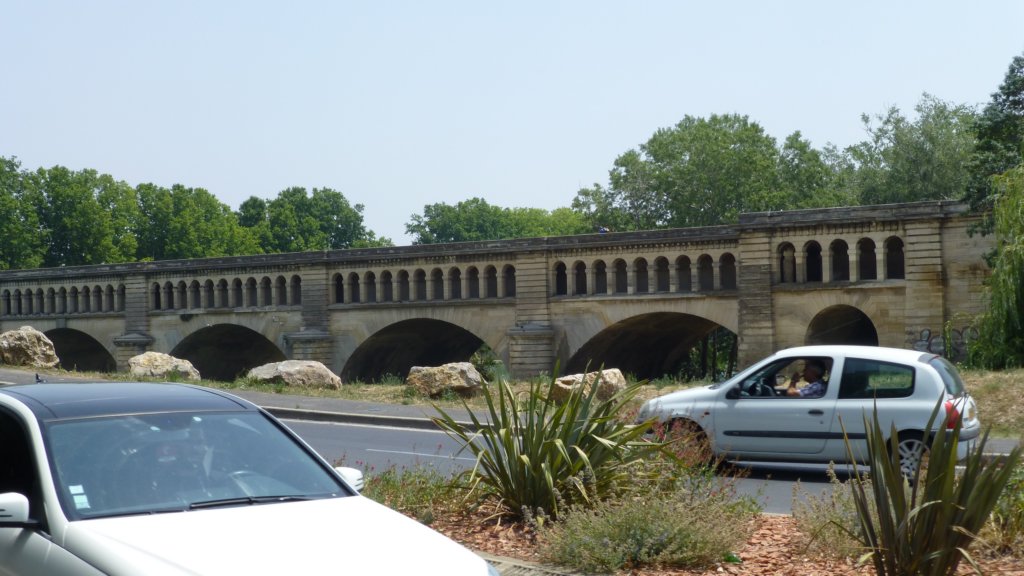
x=51 y=401
x=869 y=352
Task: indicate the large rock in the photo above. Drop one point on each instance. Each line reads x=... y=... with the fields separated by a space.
x=298 y=373
x=163 y=366
x=610 y=382
x=461 y=378
x=27 y=346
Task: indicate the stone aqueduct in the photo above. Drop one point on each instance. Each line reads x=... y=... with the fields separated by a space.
x=904 y=275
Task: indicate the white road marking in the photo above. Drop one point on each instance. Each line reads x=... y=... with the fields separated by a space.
x=418 y=454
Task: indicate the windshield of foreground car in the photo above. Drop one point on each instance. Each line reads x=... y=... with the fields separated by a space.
x=149 y=463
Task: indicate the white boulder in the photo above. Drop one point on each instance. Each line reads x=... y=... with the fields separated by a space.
x=298 y=373
x=27 y=346
x=160 y=365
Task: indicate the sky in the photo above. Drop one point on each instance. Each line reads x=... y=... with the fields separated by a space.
x=403 y=104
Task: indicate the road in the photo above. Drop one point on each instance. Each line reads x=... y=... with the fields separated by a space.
x=378 y=448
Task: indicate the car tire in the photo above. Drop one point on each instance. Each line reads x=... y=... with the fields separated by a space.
x=912 y=452
x=695 y=447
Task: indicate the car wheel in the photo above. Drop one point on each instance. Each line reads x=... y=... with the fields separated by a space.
x=693 y=444
x=912 y=451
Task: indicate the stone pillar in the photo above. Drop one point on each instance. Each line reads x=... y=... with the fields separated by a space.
x=925 y=281
x=136 y=338
x=826 y=265
x=754 y=280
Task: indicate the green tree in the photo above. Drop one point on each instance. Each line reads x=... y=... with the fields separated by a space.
x=78 y=228
x=23 y=243
x=1000 y=139
x=700 y=172
x=475 y=220
x=910 y=161
x=807 y=176
x=183 y=222
x=1001 y=329
x=299 y=222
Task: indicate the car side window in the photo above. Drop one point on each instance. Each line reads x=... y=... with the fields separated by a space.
x=875 y=379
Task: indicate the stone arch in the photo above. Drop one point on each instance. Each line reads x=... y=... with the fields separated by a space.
x=894 y=266
x=387 y=286
x=436 y=284
x=867 y=261
x=641 y=283
x=727 y=271
x=684 y=278
x=354 y=288
x=490 y=282
x=786 y=255
x=393 y=350
x=80 y=351
x=561 y=279
x=661 y=275
x=841 y=324
x=620 y=271
x=600 y=277
x=839 y=251
x=370 y=282
x=648 y=345
x=508 y=274
x=812 y=262
x=454 y=283
x=473 y=282
x=579 y=278
x=420 y=284
x=404 y=286
x=705 y=273
x=226 y=351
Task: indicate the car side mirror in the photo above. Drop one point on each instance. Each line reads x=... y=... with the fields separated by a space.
x=733 y=393
x=352 y=476
x=14 y=511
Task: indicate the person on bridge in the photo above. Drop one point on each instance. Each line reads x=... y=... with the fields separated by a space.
x=814 y=369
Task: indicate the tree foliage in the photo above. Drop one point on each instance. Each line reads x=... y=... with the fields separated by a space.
x=1001 y=330
x=907 y=160
x=23 y=243
x=1000 y=138
x=475 y=220
x=297 y=221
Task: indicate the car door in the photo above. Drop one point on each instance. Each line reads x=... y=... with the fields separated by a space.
x=864 y=385
x=760 y=425
x=29 y=551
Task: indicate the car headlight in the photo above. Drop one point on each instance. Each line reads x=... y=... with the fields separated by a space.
x=645 y=412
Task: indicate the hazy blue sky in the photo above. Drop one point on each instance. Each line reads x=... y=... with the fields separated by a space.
x=402 y=104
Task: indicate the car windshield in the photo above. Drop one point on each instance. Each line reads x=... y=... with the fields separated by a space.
x=148 y=463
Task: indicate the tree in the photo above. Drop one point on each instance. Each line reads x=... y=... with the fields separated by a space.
x=299 y=222
x=475 y=220
x=999 y=139
x=23 y=243
x=183 y=222
x=1001 y=329
x=806 y=175
x=78 y=228
x=699 y=172
x=910 y=161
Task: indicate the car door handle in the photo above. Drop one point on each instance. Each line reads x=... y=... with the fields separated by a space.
x=816 y=412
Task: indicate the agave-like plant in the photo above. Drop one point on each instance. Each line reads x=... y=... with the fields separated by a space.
x=924 y=523
x=538 y=455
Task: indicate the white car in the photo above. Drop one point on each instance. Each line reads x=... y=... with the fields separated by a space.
x=759 y=416
x=168 y=479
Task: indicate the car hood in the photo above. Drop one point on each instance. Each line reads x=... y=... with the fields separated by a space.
x=351 y=535
x=680 y=403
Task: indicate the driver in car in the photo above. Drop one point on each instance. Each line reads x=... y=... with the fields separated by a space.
x=813 y=371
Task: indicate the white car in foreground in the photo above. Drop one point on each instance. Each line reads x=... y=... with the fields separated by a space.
x=166 y=479
x=755 y=416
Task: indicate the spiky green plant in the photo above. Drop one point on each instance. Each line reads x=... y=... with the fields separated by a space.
x=538 y=455
x=923 y=524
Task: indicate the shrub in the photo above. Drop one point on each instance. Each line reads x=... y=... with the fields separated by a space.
x=538 y=455
x=421 y=492
x=692 y=525
x=925 y=524
x=827 y=520
x=1004 y=533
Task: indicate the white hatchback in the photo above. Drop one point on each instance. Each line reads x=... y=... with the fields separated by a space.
x=168 y=479
x=760 y=414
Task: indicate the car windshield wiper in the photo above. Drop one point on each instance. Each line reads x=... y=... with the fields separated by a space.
x=246 y=501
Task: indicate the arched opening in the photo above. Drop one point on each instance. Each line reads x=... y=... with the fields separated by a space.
x=867 y=265
x=80 y=352
x=659 y=344
x=840 y=261
x=727 y=271
x=561 y=280
x=225 y=351
x=842 y=325
x=391 y=352
x=894 y=259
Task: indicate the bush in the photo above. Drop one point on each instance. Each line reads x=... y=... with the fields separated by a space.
x=693 y=525
x=537 y=455
x=925 y=524
x=1004 y=533
x=421 y=492
x=826 y=521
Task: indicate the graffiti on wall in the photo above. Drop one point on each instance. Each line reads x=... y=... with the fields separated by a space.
x=956 y=347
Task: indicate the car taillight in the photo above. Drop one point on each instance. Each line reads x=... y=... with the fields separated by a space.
x=952 y=414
